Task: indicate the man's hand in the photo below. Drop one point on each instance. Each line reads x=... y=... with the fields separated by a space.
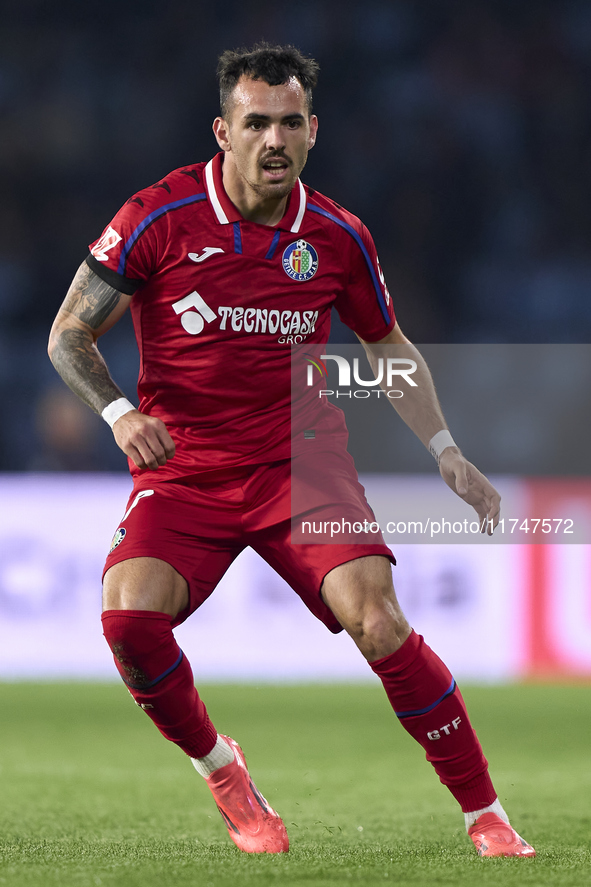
x=471 y=486
x=145 y=439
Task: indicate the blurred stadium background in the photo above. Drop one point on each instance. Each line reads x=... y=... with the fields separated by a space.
x=460 y=133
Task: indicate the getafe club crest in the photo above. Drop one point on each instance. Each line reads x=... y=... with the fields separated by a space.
x=300 y=260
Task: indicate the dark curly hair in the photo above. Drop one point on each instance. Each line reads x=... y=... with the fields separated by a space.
x=273 y=64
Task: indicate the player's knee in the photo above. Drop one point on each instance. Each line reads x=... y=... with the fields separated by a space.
x=136 y=640
x=145 y=584
x=361 y=595
x=120 y=592
x=377 y=624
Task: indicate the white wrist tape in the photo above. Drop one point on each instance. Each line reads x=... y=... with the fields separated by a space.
x=116 y=409
x=439 y=442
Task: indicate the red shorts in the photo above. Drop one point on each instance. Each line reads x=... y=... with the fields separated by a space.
x=200 y=526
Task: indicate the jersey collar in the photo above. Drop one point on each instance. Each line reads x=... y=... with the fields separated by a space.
x=225 y=211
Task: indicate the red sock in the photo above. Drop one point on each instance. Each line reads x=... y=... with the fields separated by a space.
x=430 y=707
x=159 y=677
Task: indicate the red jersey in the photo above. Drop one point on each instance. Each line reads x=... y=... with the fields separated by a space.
x=219 y=301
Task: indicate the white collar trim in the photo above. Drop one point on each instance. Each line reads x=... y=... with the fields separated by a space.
x=223 y=218
x=213 y=196
x=298 y=222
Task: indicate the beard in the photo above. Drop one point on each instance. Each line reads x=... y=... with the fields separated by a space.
x=273 y=190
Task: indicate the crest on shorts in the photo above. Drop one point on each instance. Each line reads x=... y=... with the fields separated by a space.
x=118 y=538
x=300 y=260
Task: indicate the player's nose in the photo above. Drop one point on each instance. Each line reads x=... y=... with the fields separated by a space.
x=275 y=138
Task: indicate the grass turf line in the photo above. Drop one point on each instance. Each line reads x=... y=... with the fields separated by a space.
x=92 y=795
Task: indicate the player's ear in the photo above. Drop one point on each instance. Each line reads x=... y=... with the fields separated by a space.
x=221 y=131
x=313 y=131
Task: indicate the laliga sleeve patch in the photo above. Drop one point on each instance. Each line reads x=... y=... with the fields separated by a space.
x=300 y=260
x=109 y=239
x=118 y=538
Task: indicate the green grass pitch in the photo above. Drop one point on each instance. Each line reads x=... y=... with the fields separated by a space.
x=92 y=795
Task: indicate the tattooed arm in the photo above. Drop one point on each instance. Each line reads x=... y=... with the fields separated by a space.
x=92 y=307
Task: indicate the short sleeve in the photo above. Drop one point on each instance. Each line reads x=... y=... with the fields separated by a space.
x=365 y=305
x=124 y=256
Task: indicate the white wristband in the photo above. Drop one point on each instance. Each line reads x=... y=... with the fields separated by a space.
x=439 y=442
x=116 y=409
